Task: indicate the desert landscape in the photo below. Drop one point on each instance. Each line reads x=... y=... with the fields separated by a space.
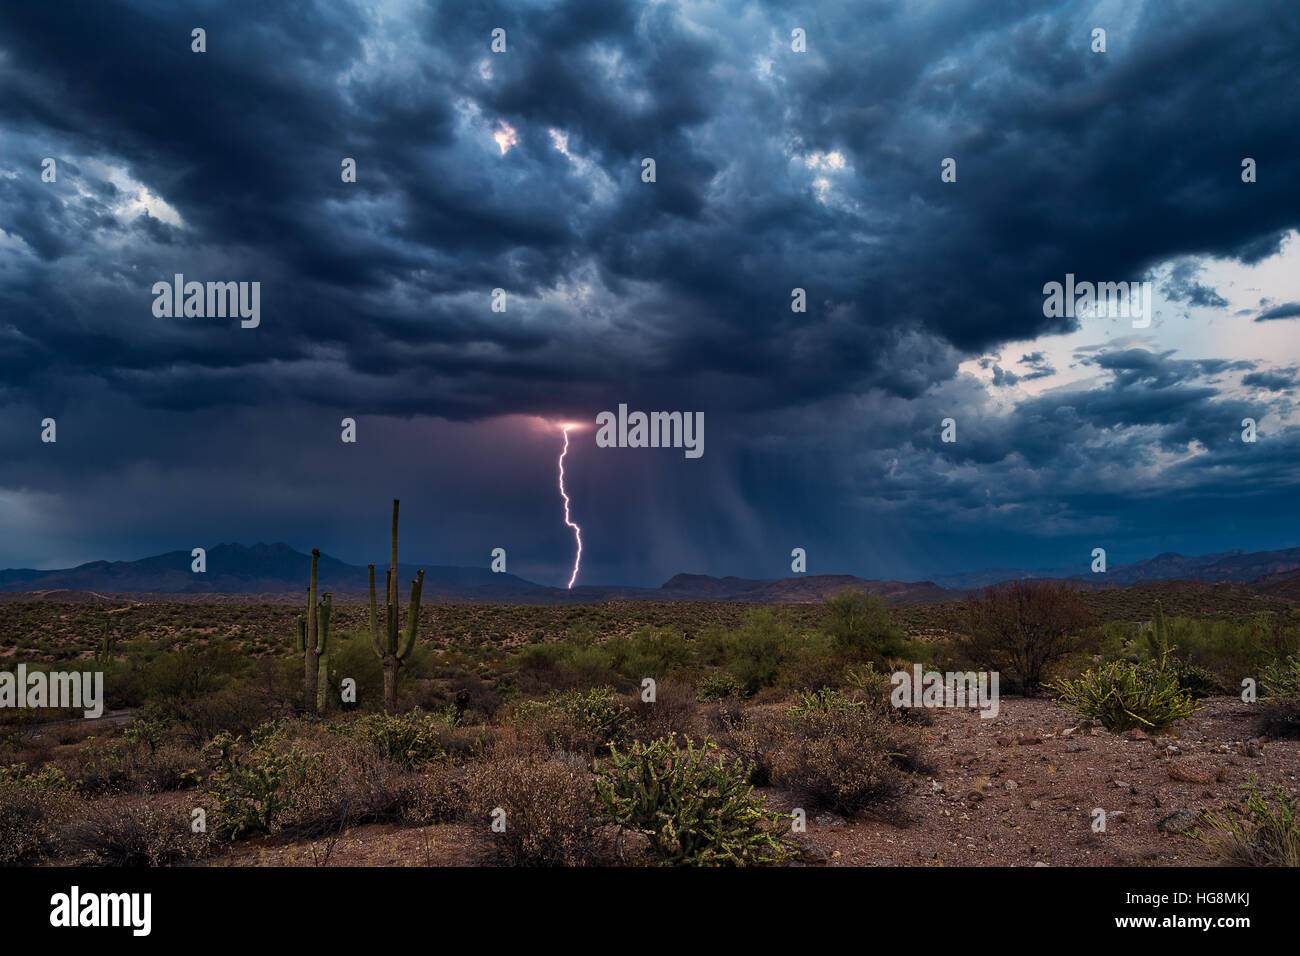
x=635 y=733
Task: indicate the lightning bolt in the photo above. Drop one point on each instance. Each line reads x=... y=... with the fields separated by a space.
x=577 y=532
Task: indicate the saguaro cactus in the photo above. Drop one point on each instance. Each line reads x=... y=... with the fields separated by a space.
x=1158 y=638
x=313 y=642
x=104 y=652
x=385 y=639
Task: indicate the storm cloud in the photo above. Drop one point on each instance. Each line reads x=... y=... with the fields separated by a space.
x=522 y=171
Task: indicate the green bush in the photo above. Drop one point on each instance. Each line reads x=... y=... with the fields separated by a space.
x=1279 y=697
x=823 y=701
x=585 y=721
x=650 y=652
x=754 y=652
x=1256 y=833
x=410 y=740
x=34 y=810
x=1123 y=695
x=715 y=687
x=696 y=809
x=838 y=755
x=133 y=835
x=861 y=623
x=547 y=805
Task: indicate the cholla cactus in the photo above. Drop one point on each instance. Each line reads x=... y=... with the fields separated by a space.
x=313 y=642
x=384 y=637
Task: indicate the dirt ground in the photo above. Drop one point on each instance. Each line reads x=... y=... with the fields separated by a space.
x=1016 y=790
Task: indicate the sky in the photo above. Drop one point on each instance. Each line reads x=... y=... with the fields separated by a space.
x=775 y=169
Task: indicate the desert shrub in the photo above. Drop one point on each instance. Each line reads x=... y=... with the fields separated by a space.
x=754 y=652
x=412 y=740
x=1258 y=832
x=649 y=652
x=1122 y=695
x=575 y=721
x=548 y=819
x=130 y=765
x=582 y=665
x=674 y=710
x=1279 y=698
x=844 y=757
x=235 y=710
x=716 y=687
x=1196 y=681
x=133 y=835
x=1232 y=649
x=697 y=809
x=438 y=795
x=250 y=781
x=34 y=809
x=861 y=623
x=1020 y=628
x=823 y=700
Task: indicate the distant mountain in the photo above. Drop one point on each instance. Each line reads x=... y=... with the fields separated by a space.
x=278 y=572
x=260 y=569
x=1240 y=566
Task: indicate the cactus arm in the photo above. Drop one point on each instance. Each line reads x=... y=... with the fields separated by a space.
x=322 y=680
x=390 y=615
x=322 y=641
x=392 y=564
x=413 y=616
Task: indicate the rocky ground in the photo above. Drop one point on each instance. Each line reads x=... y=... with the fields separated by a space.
x=1021 y=789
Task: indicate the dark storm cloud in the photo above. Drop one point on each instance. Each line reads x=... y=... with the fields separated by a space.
x=1181 y=286
x=1290 y=310
x=775 y=170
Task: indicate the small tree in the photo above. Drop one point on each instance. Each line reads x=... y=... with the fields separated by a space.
x=860 y=622
x=1020 y=627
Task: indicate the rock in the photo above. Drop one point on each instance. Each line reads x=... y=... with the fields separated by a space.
x=1254 y=751
x=1178 y=821
x=1011 y=785
x=1068 y=731
x=809 y=852
x=1172 y=750
x=1035 y=804
x=936 y=786
x=1185 y=774
x=829 y=820
x=1040 y=863
x=975 y=796
x=1134 y=733
x=1120 y=784
x=1027 y=740
x=1005 y=741
x=1074 y=748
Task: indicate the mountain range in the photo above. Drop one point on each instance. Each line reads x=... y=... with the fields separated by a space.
x=279 y=572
